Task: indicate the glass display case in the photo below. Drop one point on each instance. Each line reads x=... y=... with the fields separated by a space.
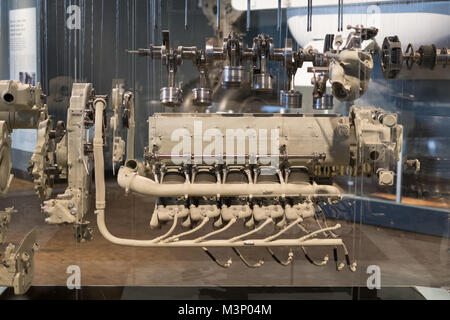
x=224 y=149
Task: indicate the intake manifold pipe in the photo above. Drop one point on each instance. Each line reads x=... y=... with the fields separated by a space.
x=130 y=180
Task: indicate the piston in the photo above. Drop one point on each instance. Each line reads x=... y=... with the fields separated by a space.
x=323 y=103
x=232 y=76
x=262 y=82
x=291 y=99
x=202 y=97
x=171 y=96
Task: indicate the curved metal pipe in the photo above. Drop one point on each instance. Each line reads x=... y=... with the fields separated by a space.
x=313 y=234
x=229 y=224
x=265 y=223
x=331 y=233
x=211 y=243
x=178 y=236
x=130 y=180
x=171 y=230
x=296 y=222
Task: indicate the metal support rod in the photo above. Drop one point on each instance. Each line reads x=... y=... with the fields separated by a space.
x=340 y=15
x=171 y=77
x=155 y=14
x=398 y=189
x=291 y=81
x=248 y=15
x=218 y=15
x=186 y=14
x=279 y=16
x=309 y=23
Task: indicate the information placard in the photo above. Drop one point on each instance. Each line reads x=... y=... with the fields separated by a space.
x=23 y=64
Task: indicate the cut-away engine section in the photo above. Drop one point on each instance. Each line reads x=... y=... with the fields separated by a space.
x=260 y=170
x=235 y=184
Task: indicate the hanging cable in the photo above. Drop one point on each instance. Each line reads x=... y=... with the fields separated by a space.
x=352 y=266
x=318 y=264
x=225 y=265
x=256 y=265
x=278 y=260
x=339 y=266
x=331 y=233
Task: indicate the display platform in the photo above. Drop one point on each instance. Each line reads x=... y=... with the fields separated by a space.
x=216 y=293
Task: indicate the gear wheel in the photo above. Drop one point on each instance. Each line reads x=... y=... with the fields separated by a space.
x=427 y=57
x=42 y=164
x=391 y=57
